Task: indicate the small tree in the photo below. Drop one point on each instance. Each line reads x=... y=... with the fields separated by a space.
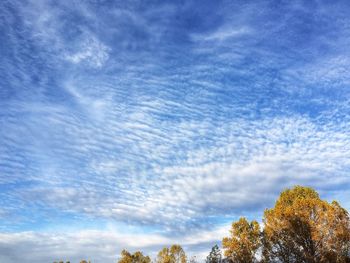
x=244 y=242
x=137 y=257
x=214 y=255
x=164 y=256
x=174 y=254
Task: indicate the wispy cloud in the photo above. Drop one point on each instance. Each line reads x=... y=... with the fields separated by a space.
x=222 y=34
x=91 y=51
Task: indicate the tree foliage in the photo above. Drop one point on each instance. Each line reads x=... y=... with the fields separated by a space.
x=214 y=255
x=137 y=257
x=303 y=228
x=174 y=254
x=242 y=245
x=300 y=228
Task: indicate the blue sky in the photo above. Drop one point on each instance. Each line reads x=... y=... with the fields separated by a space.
x=138 y=124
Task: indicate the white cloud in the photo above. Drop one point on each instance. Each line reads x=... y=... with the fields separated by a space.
x=98 y=246
x=91 y=51
x=248 y=163
x=45 y=23
x=327 y=70
x=223 y=34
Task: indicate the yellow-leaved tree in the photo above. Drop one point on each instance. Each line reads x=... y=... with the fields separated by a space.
x=137 y=257
x=244 y=242
x=303 y=228
x=174 y=254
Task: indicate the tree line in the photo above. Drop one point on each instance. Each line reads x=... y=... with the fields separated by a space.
x=300 y=228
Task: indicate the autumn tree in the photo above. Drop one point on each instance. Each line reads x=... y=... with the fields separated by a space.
x=174 y=254
x=137 y=257
x=244 y=242
x=303 y=228
x=164 y=256
x=214 y=255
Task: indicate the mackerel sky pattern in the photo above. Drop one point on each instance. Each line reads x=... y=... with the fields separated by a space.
x=163 y=121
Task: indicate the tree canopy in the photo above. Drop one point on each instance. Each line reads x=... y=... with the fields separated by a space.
x=299 y=228
x=174 y=254
x=303 y=228
x=242 y=245
x=214 y=255
x=137 y=257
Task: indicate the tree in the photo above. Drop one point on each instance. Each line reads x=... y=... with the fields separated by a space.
x=178 y=254
x=164 y=256
x=214 y=255
x=244 y=242
x=303 y=228
x=137 y=257
x=174 y=254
